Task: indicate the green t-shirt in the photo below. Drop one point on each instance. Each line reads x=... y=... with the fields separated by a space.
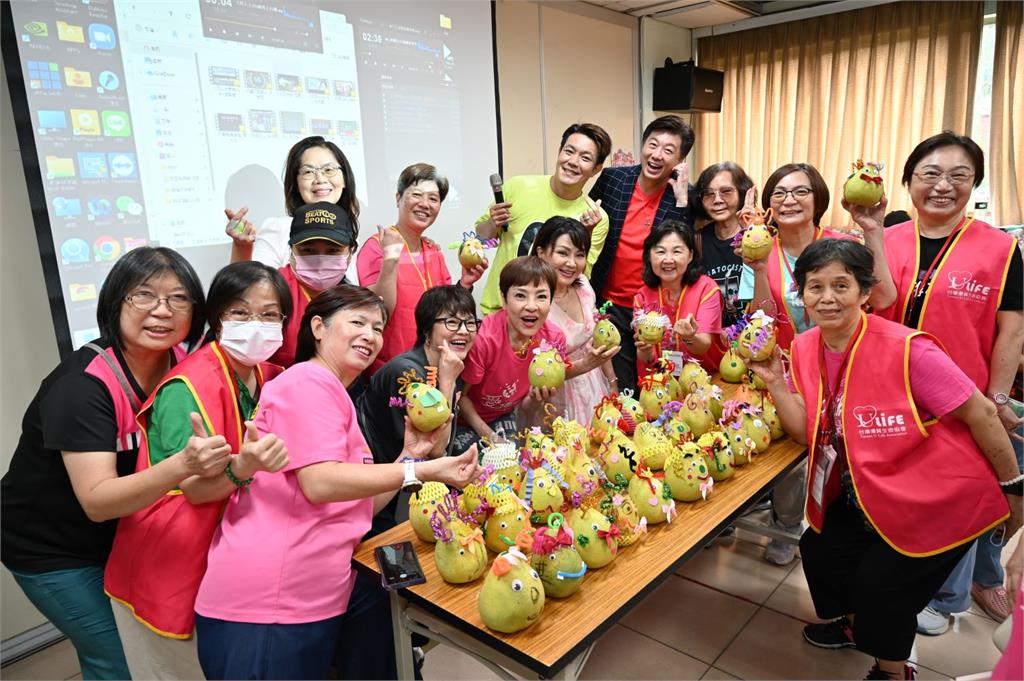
x=170 y=425
x=533 y=202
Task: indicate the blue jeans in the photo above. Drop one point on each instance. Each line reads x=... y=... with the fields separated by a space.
x=242 y=650
x=980 y=564
x=74 y=601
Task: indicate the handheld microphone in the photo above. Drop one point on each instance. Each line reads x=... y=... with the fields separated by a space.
x=499 y=197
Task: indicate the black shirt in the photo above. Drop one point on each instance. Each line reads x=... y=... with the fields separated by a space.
x=43 y=527
x=383 y=426
x=1013 y=294
x=723 y=265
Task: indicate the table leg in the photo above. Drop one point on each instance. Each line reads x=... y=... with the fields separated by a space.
x=404 y=665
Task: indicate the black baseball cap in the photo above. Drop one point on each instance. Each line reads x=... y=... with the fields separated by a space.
x=322 y=220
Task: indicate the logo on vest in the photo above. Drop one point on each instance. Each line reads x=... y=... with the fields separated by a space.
x=963 y=286
x=873 y=423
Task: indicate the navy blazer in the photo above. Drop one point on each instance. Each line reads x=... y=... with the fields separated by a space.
x=615 y=188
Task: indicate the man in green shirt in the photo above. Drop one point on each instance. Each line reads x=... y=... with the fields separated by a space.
x=532 y=199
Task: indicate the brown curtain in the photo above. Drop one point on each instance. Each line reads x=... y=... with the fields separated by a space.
x=1006 y=179
x=868 y=84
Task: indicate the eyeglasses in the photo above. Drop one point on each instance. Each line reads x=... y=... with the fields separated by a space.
x=147 y=302
x=242 y=315
x=454 y=323
x=726 y=193
x=310 y=172
x=779 y=195
x=955 y=178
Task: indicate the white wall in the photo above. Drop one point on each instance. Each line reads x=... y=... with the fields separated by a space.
x=659 y=40
x=28 y=348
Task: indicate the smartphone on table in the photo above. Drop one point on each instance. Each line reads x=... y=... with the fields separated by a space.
x=399 y=566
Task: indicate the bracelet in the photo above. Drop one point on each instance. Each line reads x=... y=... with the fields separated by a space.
x=1012 y=481
x=233 y=478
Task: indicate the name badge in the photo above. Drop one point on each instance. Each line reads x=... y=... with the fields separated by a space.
x=677 y=358
x=822 y=469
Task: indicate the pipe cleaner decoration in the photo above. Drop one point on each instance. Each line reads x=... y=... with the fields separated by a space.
x=605 y=334
x=426 y=406
x=446 y=512
x=471 y=249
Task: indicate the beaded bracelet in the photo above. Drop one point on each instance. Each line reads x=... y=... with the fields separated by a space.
x=233 y=478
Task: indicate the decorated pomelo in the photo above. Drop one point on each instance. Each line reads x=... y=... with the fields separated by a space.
x=758 y=338
x=652 y=445
x=695 y=413
x=542 y=487
x=472 y=249
x=654 y=394
x=687 y=474
x=422 y=505
x=556 y=559
x=771 y=417
x=714 y=445
x=651 y=324
x=512 y=597
x=651 y=495
x=632 y=412
x=459 y=554
x=693 y=375
x=619 y=508
x=605 y=333
x=426 y=406
x=510 y=517
x=756 y=236
x=618 y=456
x=547 y=368
x=864 y=186
x=595 y=537
x=732 y=368
x=607 y=415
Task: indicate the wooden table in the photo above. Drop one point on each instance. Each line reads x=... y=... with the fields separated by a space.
x=556 y=646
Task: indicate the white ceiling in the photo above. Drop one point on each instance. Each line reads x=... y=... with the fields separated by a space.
x=701 y=13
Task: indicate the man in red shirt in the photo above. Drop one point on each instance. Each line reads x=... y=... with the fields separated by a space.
x=636 y=198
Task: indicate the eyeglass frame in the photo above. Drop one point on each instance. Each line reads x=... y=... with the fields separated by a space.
x=948 y=177
x=253 y=317
x=461 y=322
x=166 y=300
x=779 y=195
x=715 y=193
x=309 y=172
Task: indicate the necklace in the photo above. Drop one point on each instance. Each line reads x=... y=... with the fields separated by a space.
x=424 y=275
x=524 y=348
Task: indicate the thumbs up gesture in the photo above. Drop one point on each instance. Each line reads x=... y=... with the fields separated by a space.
x=203 y=455
x=267 y=453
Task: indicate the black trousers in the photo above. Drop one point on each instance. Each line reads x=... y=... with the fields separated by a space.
x=851 y=570
x=624 y=363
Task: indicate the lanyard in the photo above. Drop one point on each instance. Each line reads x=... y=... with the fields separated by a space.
x=792 y=278
x=922 y=284
x=423 y=274
x=831 y=388
x=678 y=311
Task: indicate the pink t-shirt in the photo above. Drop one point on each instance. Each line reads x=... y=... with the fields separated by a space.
x=499 y=376
x=278 y=558
x=417 y=272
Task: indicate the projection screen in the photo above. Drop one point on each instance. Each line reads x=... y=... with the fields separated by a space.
x=140 y=121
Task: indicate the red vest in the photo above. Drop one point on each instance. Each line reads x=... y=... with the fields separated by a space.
x=960 y=305
x=159 y=554
x=925 y=487
x=776 y=266
x=285 y=355
x=692 y=298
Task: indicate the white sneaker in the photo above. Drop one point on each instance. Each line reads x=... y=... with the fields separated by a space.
x=931 y=622
x=780 y=552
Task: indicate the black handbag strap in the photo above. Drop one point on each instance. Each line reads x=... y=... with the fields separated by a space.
x=119 y=374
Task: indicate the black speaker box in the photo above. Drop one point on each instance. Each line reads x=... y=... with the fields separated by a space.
x=686 y=87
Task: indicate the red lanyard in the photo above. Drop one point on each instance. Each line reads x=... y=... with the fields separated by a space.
x=922 y=284
x=792 y=278
x=679 y=306
x=831 y=388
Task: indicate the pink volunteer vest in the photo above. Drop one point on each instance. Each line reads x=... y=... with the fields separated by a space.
x=967 y=286
x=925 y=487
x=285 y=355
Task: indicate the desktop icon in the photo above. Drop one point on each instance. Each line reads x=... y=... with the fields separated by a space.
x=81 y=292
x=66 y=208
x=43 y=75
x=131 y=243
x=85 y=122
x=75 y=78
x=101 y=37
x=99 y=207
x=106 y=248
x=93 y=165
x=58 y=166
x=116 y=124
x=122 y=165
x=70 y=32
x=37 y=29
x=52 y=119
x=74 y=251
x=127 y=204
x=107 y=81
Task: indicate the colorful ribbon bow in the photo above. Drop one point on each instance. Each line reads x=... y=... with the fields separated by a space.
x=706 y=486
x=610 y=535
x=669 y=509
x=475 y=535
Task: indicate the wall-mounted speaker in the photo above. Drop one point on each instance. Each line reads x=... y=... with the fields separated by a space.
x=685 y=86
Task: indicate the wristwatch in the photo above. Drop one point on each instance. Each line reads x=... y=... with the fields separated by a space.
x=1000 y=398
x=411 y=484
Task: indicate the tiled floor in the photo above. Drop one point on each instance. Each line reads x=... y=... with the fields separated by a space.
x=725 y=615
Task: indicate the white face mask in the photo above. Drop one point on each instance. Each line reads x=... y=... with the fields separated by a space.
x=320 y=272
x=250 y=342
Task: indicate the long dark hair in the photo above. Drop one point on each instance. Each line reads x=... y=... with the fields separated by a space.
x=326 y=305
x=685 y=232
x=133 y=269
x=293 y=200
